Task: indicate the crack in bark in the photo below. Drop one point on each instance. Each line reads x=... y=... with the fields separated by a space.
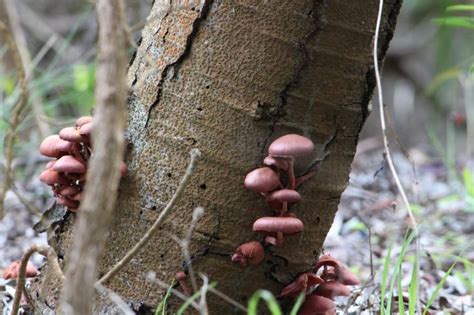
x=189 y=40
x=317 y=14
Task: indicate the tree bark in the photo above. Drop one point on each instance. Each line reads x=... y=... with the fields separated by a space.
x=228 y=77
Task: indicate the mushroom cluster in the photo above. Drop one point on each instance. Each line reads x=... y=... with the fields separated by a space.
x=327 y=279
x=71 y=150
x=12 y=271
x=267 y=181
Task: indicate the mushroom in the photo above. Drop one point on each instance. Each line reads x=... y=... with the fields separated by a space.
x=53 y=146
x=276 y=162
x=69 y=164
x=300 y=285
x=332 y=289
x=279 y=199
x=262 y=180
x=51 y=177
x=82 y=121
x=12 y=271
x=71 y=134
x=180 y=276
x=289 y=147
x=251 y=253
x=277 y=227
x=315 y=304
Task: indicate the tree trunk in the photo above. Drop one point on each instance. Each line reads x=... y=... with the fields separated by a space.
x=228 y=77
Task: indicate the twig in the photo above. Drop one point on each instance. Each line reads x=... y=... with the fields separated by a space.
x=20 y=39
x=52 y=258
x=115 y=298
x=33 y=209
x=16 y=112
x=195 y=155
x=103 y=177
x=388 y=155
x=178 y=294
x=184 y=244
x=203 y=310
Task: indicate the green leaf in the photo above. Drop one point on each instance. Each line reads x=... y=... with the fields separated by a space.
x=460 y=7
x=297 y=305
x=384 y=283
x=413 y=288
x=161 y=308
x=437 y=289
x=456 y=21
x=268 y=297
x=191 y=299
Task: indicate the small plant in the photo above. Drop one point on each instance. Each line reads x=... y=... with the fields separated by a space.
x=66 y=174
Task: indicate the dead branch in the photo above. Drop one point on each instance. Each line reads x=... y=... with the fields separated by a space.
x=16 y=113
x=103 y=176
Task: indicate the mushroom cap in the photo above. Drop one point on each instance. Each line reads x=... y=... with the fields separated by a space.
x=12 y=271
x=69 y=164
x=70 y=204
x=262 y=179
x=327 y=260
x=300 y=284
x=251 y=253
x=347 y=277
x=86 y=129
x=276 y=198
x=291 y=145
x=51 y=177
x=332 y=289
x=315 y=304
x=82 y=121
x=180 y=276
x=285 y=225
x=54 y=146
x=71 y=134
x=69 y=191
x=276 y=162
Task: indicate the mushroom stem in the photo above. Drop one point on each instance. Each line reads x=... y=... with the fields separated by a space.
x=291 y=174
x=284 y=209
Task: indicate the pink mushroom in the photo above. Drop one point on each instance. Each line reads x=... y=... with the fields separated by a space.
x=251 y=253
x=262 y=180
x=277 y=227
x=12 y=271
x=315 y=304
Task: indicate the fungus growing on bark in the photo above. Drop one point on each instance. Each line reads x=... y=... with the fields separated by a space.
x=180 y=276
x=12 y=271
x=67 y=173
x=277 y=227
x=266 y=181
x=250 y=253
x=320 y=290
x=262 y=180
x=315 y=304
x=301 y=284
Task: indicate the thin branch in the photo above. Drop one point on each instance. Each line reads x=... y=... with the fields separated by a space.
x=387 y=153
x=103 y=176
x=52 y=258
x=16 y=112
x=195 y=155
x=178 y=294
x=20 y=39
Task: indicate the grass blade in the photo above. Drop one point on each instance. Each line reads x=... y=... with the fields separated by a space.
x=268 y=297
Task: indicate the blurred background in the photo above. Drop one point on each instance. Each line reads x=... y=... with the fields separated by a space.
x=428 y=92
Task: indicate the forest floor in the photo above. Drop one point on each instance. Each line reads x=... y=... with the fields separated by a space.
x=371 y=220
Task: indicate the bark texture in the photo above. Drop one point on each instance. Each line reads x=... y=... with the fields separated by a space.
x=228 y=77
